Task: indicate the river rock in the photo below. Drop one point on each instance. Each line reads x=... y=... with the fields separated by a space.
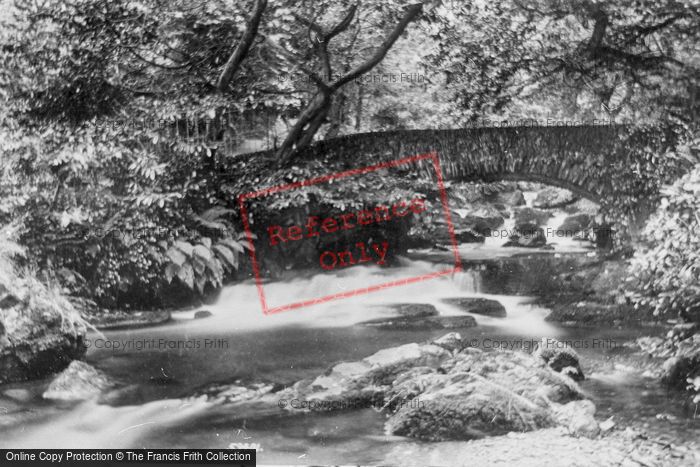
x=560 y=358
x=684 y=365
x=509 y=198
x=42 y=332
x=7 y=300
x=203 y=314
x=440 y=390
x=419 y=316
x=118 y=319
x=530 y=215
x=527 y=235
x=574 y=224
x=552 y=197
x=413 y=310
x=682 y=331
x=235 y=392
x=18 y=394
x=451 y=342
x=457 y=322
x=590 y=313
x=478 y=394
x=577 y=417
x=468 y=235
x=349 y=384
x=79 y=381
x=582 y=206
x=479 y=306
x=417 y=323
x=477 y=218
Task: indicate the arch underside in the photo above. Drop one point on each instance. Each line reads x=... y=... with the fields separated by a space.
x=545 y=180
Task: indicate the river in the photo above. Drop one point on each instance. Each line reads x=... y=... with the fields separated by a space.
x=238 y=342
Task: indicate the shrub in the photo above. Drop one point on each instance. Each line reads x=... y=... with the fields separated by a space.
x=667 y=270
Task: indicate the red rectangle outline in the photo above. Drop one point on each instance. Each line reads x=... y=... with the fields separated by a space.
x=348 y=173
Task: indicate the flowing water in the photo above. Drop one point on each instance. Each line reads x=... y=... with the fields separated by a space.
x=162 y=366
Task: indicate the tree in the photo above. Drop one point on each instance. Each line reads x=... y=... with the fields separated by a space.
x=311 y=119
x=634 y=58
x=92 y=92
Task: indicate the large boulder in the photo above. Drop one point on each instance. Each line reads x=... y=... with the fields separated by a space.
x=79 y=381
x=527 y=235
x=551 y=197
x=478 y=394
x=531 y=215
x=352 y=384
x=478 y=305
x=560 y=358
x=40 y=331
x=439 y=390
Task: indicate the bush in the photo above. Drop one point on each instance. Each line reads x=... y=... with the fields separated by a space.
x=667 y=270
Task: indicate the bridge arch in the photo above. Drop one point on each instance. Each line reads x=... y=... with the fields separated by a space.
x=617 y=166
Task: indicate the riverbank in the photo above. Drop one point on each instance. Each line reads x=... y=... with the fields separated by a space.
x=554 y=447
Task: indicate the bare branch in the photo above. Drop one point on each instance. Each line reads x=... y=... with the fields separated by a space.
x=599 y=28
x=343 y=25
x=411 y=13
x=294 y=59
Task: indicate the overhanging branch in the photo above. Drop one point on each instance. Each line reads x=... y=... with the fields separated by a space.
x=233 y=64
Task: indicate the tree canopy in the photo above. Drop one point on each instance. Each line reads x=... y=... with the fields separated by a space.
x=101 y=99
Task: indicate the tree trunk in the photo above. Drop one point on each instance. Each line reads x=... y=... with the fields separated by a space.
x=358 y=109
x=314 y=115
x=307 y=125
x=337 y=112
x=233 y=64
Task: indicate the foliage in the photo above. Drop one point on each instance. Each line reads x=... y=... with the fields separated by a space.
x=633 y=60
x=104 y=210
x=667 y=271
x=201 y=264
x=115 y=204
x=42 y=300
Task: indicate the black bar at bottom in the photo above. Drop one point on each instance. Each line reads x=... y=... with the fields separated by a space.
x=126 y=457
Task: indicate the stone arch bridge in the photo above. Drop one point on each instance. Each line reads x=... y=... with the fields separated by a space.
x=621 y=167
